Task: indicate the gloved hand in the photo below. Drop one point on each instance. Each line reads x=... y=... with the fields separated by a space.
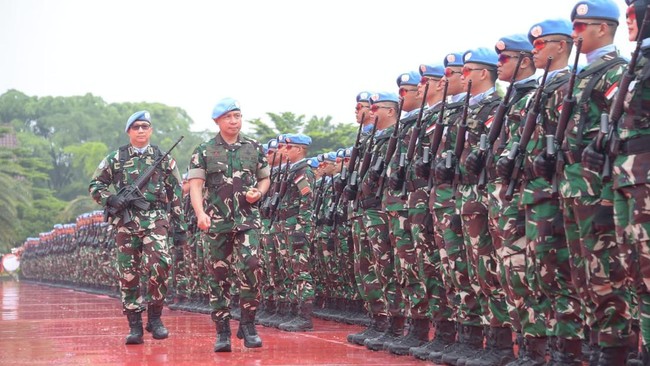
x=544 y=166
x=421 y=169
x=592 y=159
x=473 y=163
x=350 y=192
x=505 y=167
x=117 y=202
x=396 y=180
x=443 y=174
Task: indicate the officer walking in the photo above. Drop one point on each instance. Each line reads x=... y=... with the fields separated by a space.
x=142 y=247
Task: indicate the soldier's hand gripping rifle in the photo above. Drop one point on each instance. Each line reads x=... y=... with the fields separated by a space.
x=526 y=135
x=277 y=196
x=460 y=140
x=568 y=103
x=415 y=134
x=266 y=203
x=496 y=130
x=132 y=193
x=319 y=198
x=607 y=141
x=429 y=156
x=381 y=165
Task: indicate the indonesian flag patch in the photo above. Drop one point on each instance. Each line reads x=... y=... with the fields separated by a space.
x=302 y=184
x=488 y=123
x=609 y=94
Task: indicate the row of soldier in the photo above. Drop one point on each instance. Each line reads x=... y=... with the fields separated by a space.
x=482 y=215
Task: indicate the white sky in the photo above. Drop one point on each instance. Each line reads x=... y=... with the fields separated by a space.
x=305 y=57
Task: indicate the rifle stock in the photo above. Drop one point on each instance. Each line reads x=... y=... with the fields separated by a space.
x=460 y=138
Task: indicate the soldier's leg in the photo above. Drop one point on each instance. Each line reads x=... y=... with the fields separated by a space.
x=218 y=251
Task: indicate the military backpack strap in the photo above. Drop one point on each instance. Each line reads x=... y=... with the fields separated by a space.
x=597 y=72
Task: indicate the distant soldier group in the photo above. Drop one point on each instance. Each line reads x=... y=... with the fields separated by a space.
x=491 y=217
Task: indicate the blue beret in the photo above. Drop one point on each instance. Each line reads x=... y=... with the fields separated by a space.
x=364 y=96
x=348 y=152
x=434 y=71
x=515 y=42
x=224 y=106
x=296 y=139
x=454 y=59
x=550 y=27
x=272 y=144
x=265 y=147
x=340 y=153
x=409 y=78
x=330 y=156
x=384 y=97
x=313 y=162
x=596 y=9
x=481 y=55
x=137 y=116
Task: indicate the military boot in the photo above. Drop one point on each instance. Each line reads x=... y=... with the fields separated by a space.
x=445 y=334
x=223 y=335
x=500 y=350
x=634 y=357
x=280 y=313
x=135 y=324
x=269 y=310
x=394 y=331
x=533 y=354
x=568 y=353
x=235 y=310
x=417 y=335
x=154 y=324
x=247 y=330
x=302 y=322
x=470 y=340
x=378 y=325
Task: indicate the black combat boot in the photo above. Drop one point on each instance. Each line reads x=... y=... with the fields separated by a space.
x=247 y=330
x=135 y=323
x=418 y=334
x=470 y=340
x=279 y=316
x=223 y=335
x=532 y=354
x=302 y=322
x=378 y=325
x=569 y=353
x=500 y=353
x=394 y=331
x=154 y=324
x=269 y=311
x=445 y=334
x=611 y=356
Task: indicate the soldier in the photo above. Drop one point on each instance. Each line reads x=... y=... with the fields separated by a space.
x=235 y=174
x=142 y=242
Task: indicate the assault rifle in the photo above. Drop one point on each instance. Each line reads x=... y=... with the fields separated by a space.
x=526 y=135
x=354 y=154
x=266 y=205
x=381 y=165
x=429 y=156
x=365 y=164
x=460 y=139
x=133 y=192
x=277 y=196
x=568 y=103
x=485 y=150
x=607 y=140
x=415 y=134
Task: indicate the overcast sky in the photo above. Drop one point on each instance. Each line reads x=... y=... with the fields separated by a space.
x=306 y=57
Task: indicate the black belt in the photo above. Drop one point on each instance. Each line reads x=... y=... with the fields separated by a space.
x=635 y=146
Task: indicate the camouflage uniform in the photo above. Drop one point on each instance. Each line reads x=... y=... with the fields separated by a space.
x=142 y=241
x=231 y=244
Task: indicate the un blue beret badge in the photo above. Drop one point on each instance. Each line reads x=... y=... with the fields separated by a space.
x=423 y=68
x=500 y=45
x=451 y=58
x=582 y=9
x=404 y=78
x=536 y=31
x=468 y=56
x=363 y=96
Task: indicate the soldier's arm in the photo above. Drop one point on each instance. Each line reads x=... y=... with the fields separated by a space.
x=100 y=181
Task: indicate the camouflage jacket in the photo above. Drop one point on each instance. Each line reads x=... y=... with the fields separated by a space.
x=229 y=172
x=163 y=190
x=295 y=208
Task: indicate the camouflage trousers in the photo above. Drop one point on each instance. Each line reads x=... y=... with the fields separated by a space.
x=284 y=275
x=632 y=227
x=268 y=266
x=323 y=276
x=409 y=279
x=343 y=248
x=434 y=304
x=549 y=270
x=455 y=266
x=302 y=283
x=589 y=224
x=143 y=253
x=473 y=208
x=362 y=258
x=506 y=226
x=228 y=255
x=384 y=295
